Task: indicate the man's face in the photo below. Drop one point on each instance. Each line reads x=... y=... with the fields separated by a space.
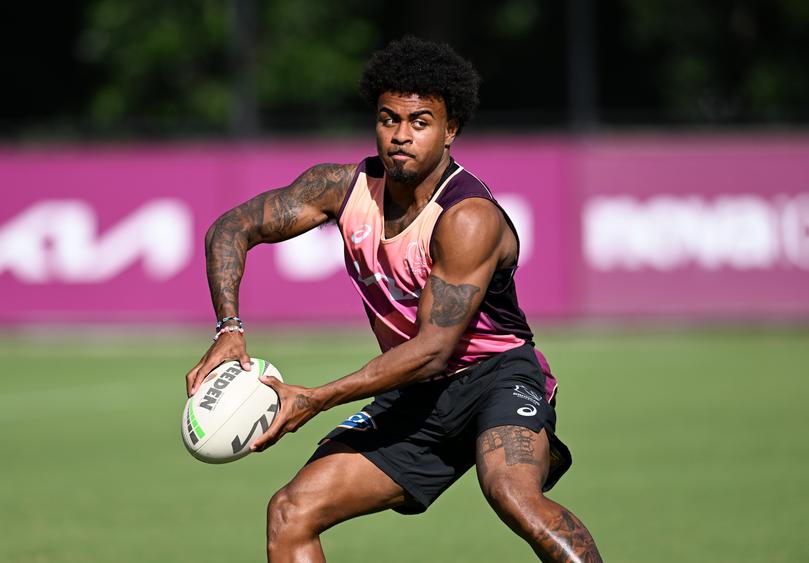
x=412 y=134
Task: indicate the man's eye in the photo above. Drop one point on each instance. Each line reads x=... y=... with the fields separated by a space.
x=419 y=124
x=386 y=121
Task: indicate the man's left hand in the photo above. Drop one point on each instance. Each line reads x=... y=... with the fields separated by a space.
x=296 y=406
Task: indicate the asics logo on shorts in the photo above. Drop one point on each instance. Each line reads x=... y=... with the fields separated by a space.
x=527 y=410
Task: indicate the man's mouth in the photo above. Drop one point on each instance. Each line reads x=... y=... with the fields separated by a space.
x=401 y=154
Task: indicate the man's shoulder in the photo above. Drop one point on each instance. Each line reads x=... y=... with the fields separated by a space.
x=469 y=210
x=372 y=167
x=463 y=185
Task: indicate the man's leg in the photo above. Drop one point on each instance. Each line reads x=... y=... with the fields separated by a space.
x=338 y=485
x=512 y=465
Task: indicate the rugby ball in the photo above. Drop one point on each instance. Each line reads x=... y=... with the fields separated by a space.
x=229 y=410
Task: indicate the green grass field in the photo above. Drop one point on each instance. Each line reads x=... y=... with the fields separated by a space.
x=688 y=446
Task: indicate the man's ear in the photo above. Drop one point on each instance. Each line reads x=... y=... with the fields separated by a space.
x=451 y=132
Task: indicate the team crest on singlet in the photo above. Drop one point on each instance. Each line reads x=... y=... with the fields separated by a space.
x=415 y=260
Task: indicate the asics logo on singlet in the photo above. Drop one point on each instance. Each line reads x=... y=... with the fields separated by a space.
x=361 y=234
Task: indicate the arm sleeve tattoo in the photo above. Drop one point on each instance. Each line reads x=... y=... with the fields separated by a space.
x=273 y=216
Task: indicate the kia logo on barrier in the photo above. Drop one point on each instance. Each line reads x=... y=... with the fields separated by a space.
x=58 y=241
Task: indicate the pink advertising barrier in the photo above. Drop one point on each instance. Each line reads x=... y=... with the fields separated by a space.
x=609 y=227
x=97 y=234
x=693 y=227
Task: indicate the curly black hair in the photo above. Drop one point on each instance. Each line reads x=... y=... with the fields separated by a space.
x=415 y=66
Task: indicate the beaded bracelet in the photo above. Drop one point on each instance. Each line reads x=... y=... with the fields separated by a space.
x=225 y=329
x=220 y=323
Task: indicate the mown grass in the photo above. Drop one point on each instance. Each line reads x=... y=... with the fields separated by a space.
x=689 y=445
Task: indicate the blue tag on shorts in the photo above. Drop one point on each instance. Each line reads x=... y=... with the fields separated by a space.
x=360 y=421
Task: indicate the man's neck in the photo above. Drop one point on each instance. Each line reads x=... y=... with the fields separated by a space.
x=410 y=196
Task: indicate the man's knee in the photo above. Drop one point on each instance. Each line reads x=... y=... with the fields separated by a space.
x=290 y=516
x=524 y=510
x=507 y=495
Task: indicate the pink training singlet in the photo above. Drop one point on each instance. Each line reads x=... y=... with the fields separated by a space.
x=390 y=273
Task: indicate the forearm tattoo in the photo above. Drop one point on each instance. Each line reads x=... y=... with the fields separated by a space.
x=451 y=303
x=515 y=441
x=269 y=217
x=226 y=245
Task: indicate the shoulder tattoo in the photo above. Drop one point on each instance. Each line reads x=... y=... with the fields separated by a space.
x=268 y=217
x=326 y=183
x=451 y=303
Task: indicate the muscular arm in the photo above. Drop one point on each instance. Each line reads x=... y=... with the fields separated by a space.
x=468 y=246
x=311 y=200
x=470 y=243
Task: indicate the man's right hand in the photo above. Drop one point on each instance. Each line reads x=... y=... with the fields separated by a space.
x=229 y=346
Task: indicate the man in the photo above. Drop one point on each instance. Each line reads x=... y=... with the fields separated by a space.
x=458 y=382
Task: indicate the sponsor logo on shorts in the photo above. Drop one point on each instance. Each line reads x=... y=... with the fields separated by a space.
x=522 y=392
x=360 y=421
x=527 y=410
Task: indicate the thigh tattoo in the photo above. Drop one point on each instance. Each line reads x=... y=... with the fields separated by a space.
x=517 y=442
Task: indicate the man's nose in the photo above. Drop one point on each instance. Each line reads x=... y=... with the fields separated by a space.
x=402 y=133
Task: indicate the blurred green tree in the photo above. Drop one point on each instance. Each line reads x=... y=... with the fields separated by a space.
x=725 y=61
x=107 y=68
x=161 y=62
x=170 y=64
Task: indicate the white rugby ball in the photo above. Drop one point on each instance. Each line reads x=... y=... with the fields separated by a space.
x=229 y=410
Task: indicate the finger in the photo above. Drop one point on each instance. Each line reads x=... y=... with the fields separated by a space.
x=198 y=377
x=202 y=372
x=189 y=381
x=270 y=381
x=269 y=438
x=272 y=435
x=244 y=360
x=190 y=378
